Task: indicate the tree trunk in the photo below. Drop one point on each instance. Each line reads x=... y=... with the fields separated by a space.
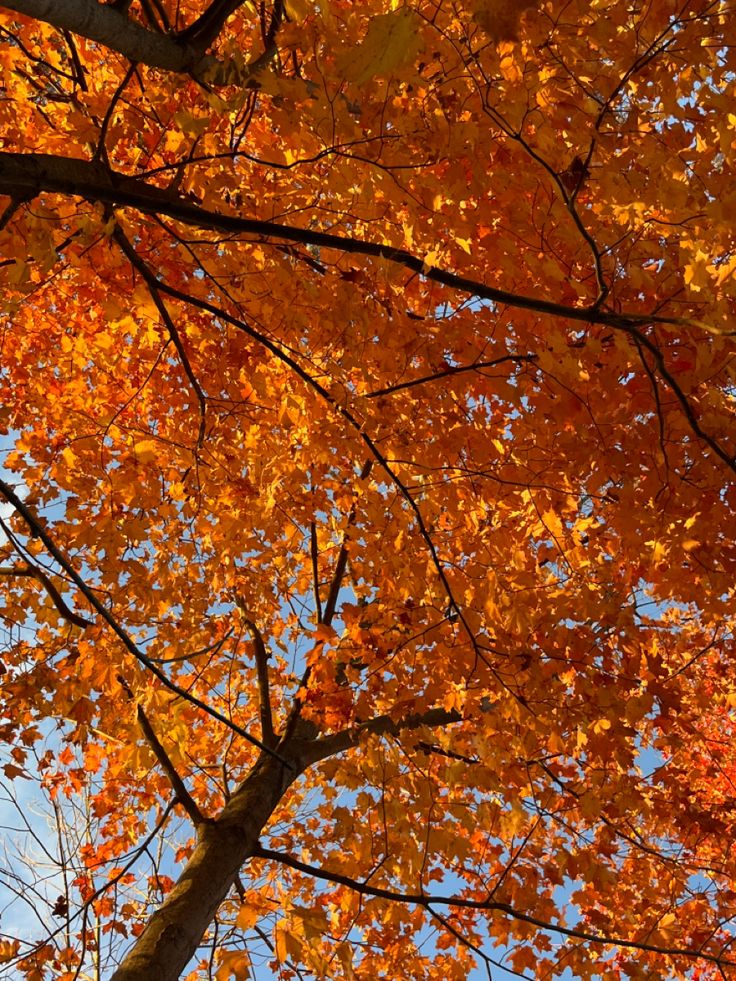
x=173 y=933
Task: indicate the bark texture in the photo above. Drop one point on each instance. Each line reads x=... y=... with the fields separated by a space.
x=104 y=24
x=172 y=935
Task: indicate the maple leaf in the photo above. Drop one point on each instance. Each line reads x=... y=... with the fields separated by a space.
x=392 y=40
x=367 y=490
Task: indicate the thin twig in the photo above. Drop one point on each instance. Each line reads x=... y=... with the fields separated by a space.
x=427 y=901
x=198 y=653
x=40 y=532
x=152 y=286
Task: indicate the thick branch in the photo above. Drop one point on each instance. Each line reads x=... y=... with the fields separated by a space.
x=23 y=174
x=381 y=725
x=427 y=901
x=172 y=935
x=178 y=786
x=107 y=25
x=205 y=28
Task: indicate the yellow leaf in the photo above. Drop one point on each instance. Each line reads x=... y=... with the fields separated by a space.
x=432 y=259
x=553 y=523
x=296 y=10
x=314 y=921
x=288 y=945
x=69 y=456
x=146 y=450
x=600 y=725
x=696 y=273
x=233 y=964
x=391 y=42
x=325 y=634
x=345 y=956
x=189 y=124
x=247 y=917
x=667 y=926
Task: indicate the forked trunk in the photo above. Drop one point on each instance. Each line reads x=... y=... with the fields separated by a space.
x=173 y=933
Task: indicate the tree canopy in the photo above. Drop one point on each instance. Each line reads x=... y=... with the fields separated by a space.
x=367 y=389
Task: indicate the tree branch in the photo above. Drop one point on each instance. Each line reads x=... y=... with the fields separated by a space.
x=152 y=285
x=34 y=572
x=179 y=787
x=314 y=553
x=268 y=735
x=40 y=532
x=342 y=558
x=421 y=899
x=381 y=725
x=203 y=31
x=449 y=372
x=22 y=174
x=107 y=25
x=345 y=413
x=174 y=931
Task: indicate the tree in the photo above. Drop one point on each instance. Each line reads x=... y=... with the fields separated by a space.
x=368 y=397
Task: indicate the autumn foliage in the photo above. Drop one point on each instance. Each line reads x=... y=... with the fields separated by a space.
x=367 y=389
